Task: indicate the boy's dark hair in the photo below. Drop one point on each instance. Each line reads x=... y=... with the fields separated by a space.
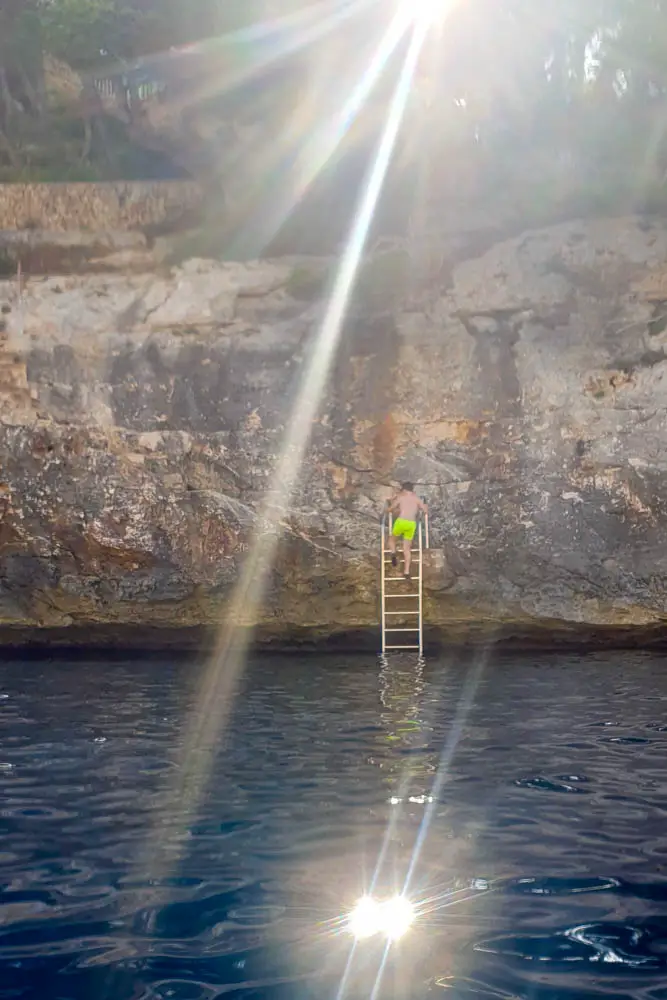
x=408 y=487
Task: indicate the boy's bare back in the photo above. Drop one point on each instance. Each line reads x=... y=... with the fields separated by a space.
x=408 y=504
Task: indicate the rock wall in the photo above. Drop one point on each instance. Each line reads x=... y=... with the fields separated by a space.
x=525 y=391
x=103 y=207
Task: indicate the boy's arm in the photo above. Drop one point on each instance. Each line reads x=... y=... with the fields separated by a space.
x=392 y=504
x=423 y=507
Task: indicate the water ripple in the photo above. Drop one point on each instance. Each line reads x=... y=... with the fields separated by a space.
x=542 y=871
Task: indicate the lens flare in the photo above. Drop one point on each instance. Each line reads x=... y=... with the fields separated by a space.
x=398 y=914
x=365 y=918
x=428 y=12
x=391 y=918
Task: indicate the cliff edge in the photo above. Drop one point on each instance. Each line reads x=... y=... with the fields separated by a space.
x=524 y=389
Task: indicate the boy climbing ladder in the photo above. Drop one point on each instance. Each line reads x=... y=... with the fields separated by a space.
x=405 y=506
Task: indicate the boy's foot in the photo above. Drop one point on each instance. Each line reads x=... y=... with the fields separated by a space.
x=394 y=561
x=406 y=576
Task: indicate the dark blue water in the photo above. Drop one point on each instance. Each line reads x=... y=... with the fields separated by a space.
x=538 y=871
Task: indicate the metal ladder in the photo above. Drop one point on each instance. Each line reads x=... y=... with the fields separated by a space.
x=390 y=593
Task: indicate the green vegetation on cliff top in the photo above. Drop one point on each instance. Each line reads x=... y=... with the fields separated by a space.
x=546 y=104
x=51 y=126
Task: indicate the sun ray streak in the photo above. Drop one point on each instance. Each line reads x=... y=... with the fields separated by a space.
x=301 y=17
x=448 y=751
x=340 y=993
x=286 y=34
x=436 y=907
x=316 y=153
x=208 y=716
x=273 y=42
x=447 y=898
x=380 y=973
x=394 y=817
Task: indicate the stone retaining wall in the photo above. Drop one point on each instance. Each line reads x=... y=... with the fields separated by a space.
x=98 y=207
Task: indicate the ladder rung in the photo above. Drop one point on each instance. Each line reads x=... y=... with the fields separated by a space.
x=401 y=630
x=393 y=597
x=402 y=647
x=389 y=579
x=401 y=612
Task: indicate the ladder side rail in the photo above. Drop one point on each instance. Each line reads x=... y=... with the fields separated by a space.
x=382 y=580
x=420 y=619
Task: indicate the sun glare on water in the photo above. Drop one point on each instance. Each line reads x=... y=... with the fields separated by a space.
x=390 y=918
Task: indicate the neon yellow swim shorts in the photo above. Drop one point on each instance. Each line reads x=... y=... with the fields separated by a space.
x=404 y=529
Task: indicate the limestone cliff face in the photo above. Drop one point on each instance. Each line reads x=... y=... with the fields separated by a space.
x=525 y=391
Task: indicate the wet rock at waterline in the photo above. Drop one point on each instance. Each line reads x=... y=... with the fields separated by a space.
x=524 y=388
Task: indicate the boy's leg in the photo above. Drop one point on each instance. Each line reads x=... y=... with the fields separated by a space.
x=392 y=549
x=407 y=553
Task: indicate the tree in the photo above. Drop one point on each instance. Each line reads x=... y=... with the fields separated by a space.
x=83 y=33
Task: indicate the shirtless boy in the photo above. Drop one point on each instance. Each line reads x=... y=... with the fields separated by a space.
x=405 y=506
